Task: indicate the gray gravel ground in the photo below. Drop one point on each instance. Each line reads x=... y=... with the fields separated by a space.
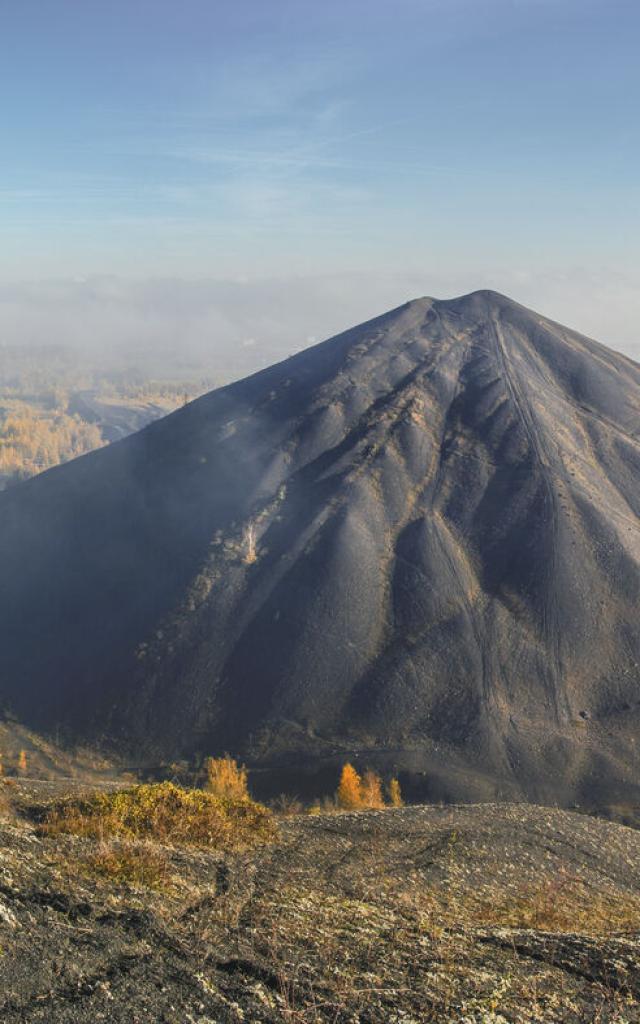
x=482 y=913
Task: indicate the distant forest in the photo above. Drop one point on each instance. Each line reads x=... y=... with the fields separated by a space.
x=56 y=405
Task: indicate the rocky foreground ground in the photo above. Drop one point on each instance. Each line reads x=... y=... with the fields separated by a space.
x=469 y=913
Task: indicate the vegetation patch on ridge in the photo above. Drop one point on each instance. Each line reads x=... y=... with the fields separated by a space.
x=163 y=812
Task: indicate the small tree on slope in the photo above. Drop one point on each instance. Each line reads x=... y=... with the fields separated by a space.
x=225 y=778
x=371 y=790
x=349 y=795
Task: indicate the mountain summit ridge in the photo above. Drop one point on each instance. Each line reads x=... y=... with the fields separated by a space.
x=416 y=543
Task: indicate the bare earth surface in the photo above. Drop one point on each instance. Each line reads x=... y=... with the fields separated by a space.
x=479 y=913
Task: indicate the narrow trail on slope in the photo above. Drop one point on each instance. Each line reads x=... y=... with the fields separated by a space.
x=528 y=420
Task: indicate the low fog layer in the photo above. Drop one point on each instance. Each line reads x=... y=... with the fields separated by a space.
x=230 y=328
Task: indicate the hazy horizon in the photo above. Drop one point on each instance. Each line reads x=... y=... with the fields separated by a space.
x=235 y=326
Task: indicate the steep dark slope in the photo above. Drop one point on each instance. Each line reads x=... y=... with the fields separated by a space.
x=444 y=508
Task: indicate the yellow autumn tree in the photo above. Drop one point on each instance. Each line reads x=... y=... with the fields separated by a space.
x=22 y=761
x=371 y=790
x=226 y=778
x=395 y=795
x=349 y=794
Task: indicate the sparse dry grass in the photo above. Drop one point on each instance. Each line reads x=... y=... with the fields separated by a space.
x=6 y=804
x=480 y=915
x=163 y=812
x=139 y=864
x=420 y=958
x=288 y=806
x=562 y=904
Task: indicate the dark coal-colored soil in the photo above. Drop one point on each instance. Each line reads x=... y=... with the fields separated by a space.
x=478 y=914
x=416 y=545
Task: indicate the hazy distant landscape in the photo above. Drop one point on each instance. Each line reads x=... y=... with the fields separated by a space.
x=57 y=404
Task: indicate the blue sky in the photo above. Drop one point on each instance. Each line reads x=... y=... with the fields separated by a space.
x=435 y=145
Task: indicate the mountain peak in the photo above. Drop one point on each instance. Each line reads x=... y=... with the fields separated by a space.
x=416 y=544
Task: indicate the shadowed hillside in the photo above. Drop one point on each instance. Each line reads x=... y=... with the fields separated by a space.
x=417 y=543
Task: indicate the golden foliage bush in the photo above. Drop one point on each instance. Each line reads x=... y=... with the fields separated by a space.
x=226 y=779
x=166 y=813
